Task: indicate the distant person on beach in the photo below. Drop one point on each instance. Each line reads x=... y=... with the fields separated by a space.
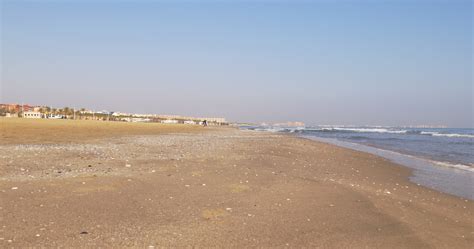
x=204 y=123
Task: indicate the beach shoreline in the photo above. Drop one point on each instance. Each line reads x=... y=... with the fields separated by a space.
x=446 y=178
x=174 y=186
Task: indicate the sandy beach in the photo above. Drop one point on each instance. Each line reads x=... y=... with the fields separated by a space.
x=70 y=183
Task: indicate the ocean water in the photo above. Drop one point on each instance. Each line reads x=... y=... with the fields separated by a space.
x=442 y=159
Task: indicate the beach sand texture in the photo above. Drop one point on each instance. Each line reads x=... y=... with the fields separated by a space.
x=70 y=183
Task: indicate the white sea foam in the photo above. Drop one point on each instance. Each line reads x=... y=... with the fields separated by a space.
x=280 y=129
x=453 y=135
x=437 y=134
x=377 y=130
x=364 y=130
x=455 y=166
x=392 y=131
x=270 y=129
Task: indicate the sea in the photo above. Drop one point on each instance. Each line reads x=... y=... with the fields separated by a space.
x=441 y=158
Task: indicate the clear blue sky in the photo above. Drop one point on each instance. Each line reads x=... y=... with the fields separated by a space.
x=320 y=62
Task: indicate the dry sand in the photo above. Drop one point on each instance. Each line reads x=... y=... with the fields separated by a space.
x=103 y=184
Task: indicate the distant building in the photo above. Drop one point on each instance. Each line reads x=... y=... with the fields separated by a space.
x=215 y=120
x=169 y=121
x=11 y=108
x=135 y=120
x=118 y=114
x=197 y=120
x=189 y=122
x=31 y=114
x=16 y=108
x=55 y=116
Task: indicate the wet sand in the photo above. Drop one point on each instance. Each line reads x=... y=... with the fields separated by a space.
x=103 y=184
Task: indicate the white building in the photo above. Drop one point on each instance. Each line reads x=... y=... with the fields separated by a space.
x=54 y=116
x=169 y=121
x=32 y=115
x=189 y=122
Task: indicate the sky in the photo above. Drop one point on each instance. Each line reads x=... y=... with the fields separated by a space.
x=319 y=62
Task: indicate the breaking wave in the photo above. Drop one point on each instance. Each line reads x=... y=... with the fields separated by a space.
x=437 y=134
x=455 y=166
x=377 y=130
x=391 y=131
x=361 y=130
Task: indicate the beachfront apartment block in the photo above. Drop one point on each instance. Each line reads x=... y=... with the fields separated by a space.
x=16 y=108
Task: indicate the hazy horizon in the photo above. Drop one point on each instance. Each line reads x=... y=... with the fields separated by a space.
x=389 y=63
